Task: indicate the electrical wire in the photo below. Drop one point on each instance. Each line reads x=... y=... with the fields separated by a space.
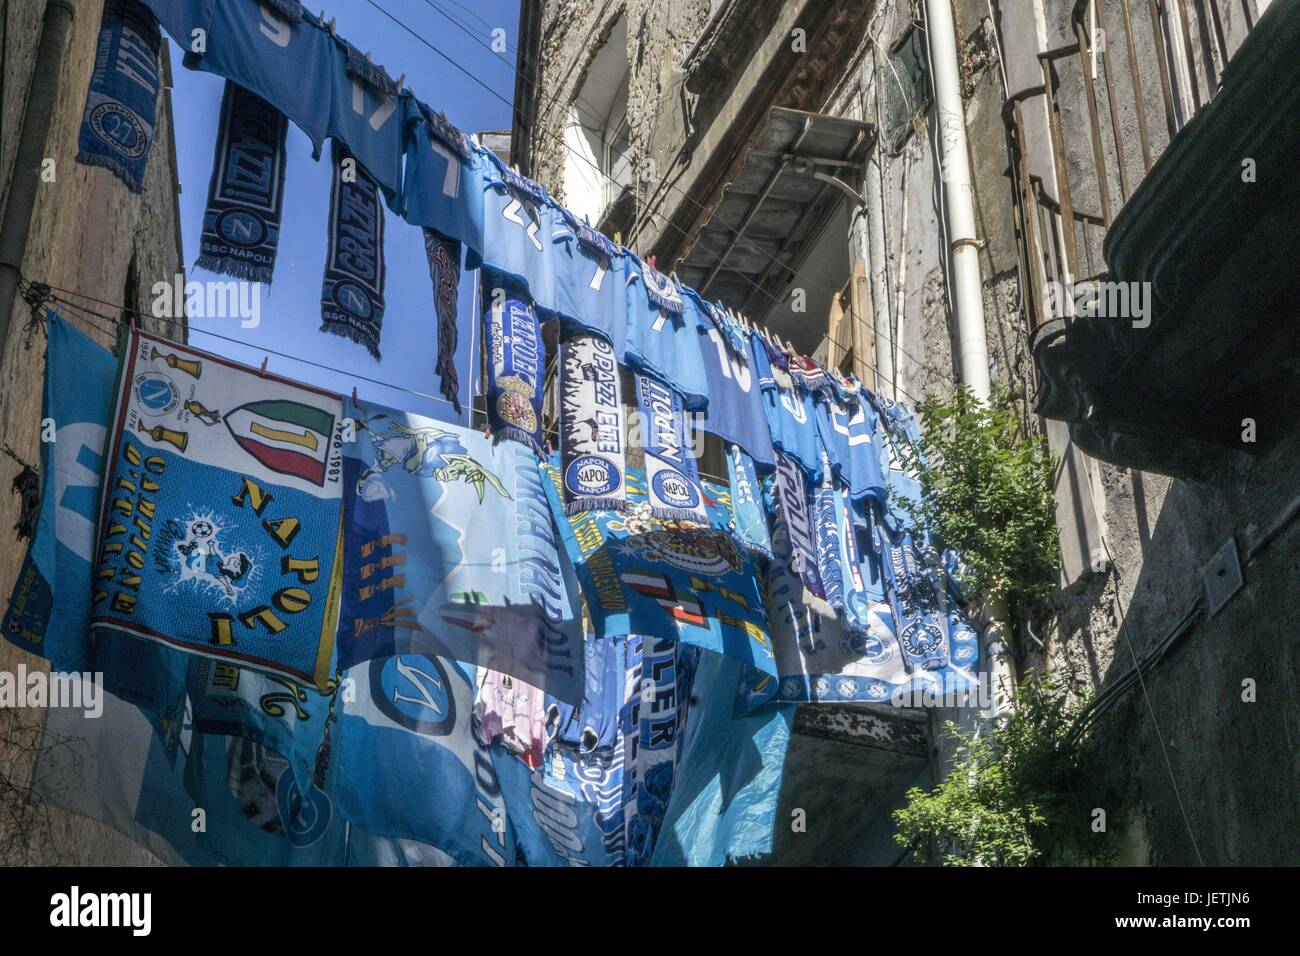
x=680 y=192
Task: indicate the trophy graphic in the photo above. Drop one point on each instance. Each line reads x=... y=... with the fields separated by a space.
x=177 y=440
x=189 y=366
x=206 y=415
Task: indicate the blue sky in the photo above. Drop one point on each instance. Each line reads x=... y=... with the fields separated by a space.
x=290 y=308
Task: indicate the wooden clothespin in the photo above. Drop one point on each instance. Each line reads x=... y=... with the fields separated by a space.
x=355 y=400
x=262 y=372
x=401 y=82
x=331 y=27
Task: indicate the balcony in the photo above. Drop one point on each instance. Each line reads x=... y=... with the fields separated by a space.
x=1156 y=171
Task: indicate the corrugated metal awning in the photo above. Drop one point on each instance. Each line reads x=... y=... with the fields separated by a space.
x=798 y=170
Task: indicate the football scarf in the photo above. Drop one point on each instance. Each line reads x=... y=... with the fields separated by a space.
x=241 y=226
x=49 y=611
x=749 y=518
x=591 y=426
x=641 y=576
x=117 y=125
x=672 y=475
x=792 y=502
x=444 y=271
x=450 y=548
x=516 y=361
x=220 y=513
x=352 y=297
x=915 y=588
x=826 y=536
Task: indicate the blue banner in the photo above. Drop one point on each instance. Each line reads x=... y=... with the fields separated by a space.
x=62 y=549
x=450 y=546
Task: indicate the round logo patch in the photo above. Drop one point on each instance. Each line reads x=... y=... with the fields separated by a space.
x=590 y=475
x=241 y=228
x=353 y=299
x=156 y=393
x=305 y=821
x=675 y=490
x=120 y=128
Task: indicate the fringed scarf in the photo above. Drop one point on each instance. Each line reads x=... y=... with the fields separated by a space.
x=661 y=290
x=444 y=271
x=117 y=126
x=826 y=531
x=749 y=520
x=672 y=476
x=241 y=227
x=516 y=361
x=352 y=298
x=915 y=592
x=360 y=67
x=793 y=500
x=290 y=10
x=594 y=457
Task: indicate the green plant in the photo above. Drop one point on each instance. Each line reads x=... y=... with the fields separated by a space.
x=986 y=491
x=1015 y=795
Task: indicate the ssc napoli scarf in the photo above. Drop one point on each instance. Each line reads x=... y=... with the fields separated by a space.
x=444 y=271
x=793 y=500
x=915 y=591
x=117 y=125
x=747 y=515
x=516 y=363
x=671 y=472
x=591 y=426
x=241 y=227
x=826 y=520
x=352 y=298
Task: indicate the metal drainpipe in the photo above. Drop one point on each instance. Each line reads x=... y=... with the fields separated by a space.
x=959 y=197
x=17 y=223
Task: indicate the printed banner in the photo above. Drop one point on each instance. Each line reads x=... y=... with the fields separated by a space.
x=672 y=475
x=241 y=226
x=451 y=548
x=352 y=297
x=516 y=360
x=117 y=126
x=591 y=426
x=644 y=576
x=220 y=517
x=62 y=551
x=443 y=254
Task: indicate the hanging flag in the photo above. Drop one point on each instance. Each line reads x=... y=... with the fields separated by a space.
x=749 y=518
x=640 y=575
x=241 y=226
x=352 y=297
x=672 y=475
x=725 y=797
x=591 y=425
x=221 y=510
x=117 y=126
x=443 y=254
x=450 y=546
x=516 y=361
x=62 y=549
x=792 y=502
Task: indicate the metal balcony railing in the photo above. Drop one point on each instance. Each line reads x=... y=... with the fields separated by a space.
x=1138 y=76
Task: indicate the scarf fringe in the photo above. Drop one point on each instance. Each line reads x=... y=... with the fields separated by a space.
x=369 y=72
x=123 y=171
x=752 y=548
x=677 y=514
x=290 y=10
x=513 y=433
x=225 y=265
x=673 y=305
x=347 y=331
x=594 y=504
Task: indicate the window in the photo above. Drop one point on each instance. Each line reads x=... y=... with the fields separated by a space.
x=597 y=162
x=905 y=90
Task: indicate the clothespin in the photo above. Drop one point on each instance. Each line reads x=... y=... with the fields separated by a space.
x=650 y=261
x=354 y=395
x=331 y=26
x=401 y=82
x=263 y=370
x=618 y=237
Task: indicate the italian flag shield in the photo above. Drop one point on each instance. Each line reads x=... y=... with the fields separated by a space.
x=287 y=437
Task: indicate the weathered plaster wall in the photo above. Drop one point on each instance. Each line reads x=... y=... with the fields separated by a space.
x=87 y=232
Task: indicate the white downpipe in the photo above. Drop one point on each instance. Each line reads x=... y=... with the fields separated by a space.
x=959 y=197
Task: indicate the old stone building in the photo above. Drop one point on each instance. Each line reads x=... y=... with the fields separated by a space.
x=98 y=246
x=790 y=160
